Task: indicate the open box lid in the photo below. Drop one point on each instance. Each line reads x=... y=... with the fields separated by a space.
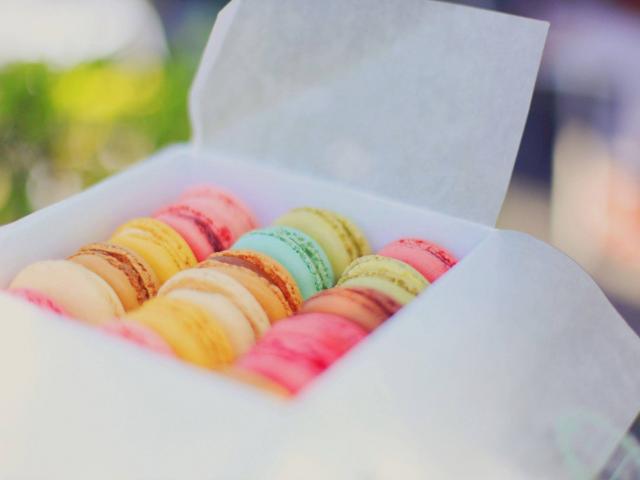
x=417 y=100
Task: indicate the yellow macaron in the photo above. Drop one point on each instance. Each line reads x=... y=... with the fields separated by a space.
x=158 y=244
x=231 y=319
x=339 y=237
x=190 y=330
x=388 y=275
x=212 y=281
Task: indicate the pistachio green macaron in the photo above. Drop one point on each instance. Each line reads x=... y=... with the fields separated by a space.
x=340 y=238
x=388 y=275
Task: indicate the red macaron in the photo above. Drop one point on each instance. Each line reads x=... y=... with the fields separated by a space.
x=428 y=258
x=296 y=350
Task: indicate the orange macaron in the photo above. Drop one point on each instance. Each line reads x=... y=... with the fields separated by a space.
x=271 y=284
x=367 y=307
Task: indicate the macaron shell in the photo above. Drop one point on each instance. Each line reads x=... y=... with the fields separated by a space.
x=138 y=334
x=220 y=213
x=388 y=275
x=203 y=233
x=188 y=329
x=224 y=205
x=387 y=286
x=428 y=258
x=340 y=239
x=298 y=349
x=191 y=234
x=289 y=374
x=158 y=244
x=297 y=252
x=231 y=319
x=367 y=307
x=77 y=290
x=133 y=280
x=38 y=299
x=269 y=268
x=210 y=281
x=268 y=295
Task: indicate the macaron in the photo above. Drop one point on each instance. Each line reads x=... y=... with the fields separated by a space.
x=223 y=206
x=158 y=244
x=428 y=258
x=365 y=306
x=270 y=297
x=340 y=238
x=74 y=288
x=267 y=268
x=38 y=299
x=130 y=276
x=138 y=334
x=191 y=332
x=211 y=281
x=231 y=319
x=388 y=275
x=203 y=233
x=300 y=254
x=298 y=349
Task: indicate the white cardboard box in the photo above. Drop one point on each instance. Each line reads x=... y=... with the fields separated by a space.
x=513 y=365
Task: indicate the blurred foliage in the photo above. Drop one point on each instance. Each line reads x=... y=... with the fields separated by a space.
x=61 y=131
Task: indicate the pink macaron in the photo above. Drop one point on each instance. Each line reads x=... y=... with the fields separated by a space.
x=224 y=206
x=204 y=232
x=298 y=349
x=138 y=334
x=428 y=258
x=39 y=299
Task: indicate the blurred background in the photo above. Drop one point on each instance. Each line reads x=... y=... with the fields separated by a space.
x=87 y=87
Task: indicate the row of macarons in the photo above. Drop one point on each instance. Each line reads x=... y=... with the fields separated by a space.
x=104 y=280
x=197 y=312
x=302 y=255
x=227 y=313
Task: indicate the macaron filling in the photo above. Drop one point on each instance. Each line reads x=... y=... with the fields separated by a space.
x=239 y=210
x=269 y=269
x=366 y=298
x=143 y=285
x=217 y=236
x=241 y=263
x=384 y=274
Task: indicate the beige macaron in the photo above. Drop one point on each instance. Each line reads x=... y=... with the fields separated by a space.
x=79 y=291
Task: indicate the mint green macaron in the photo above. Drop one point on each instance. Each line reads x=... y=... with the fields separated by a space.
x=301 y=255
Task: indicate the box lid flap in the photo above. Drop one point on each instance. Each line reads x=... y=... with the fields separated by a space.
x=422 y=101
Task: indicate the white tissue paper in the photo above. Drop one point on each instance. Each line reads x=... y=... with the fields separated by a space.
x=513 y=365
